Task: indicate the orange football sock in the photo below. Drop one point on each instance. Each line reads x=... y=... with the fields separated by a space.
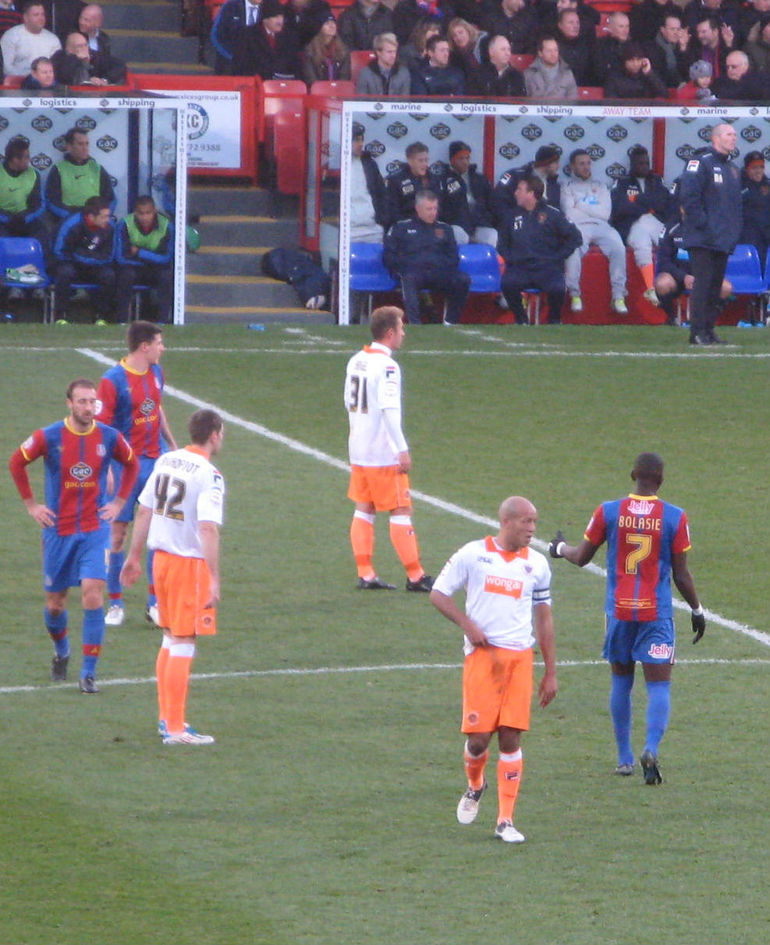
x=405 y=542
x=648 y=274
x=177 y=679
x=362 y=540
x=509 y=768
x=474 y=768
x=160 y=676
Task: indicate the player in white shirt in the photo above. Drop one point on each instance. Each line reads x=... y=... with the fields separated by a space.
x=507 y=586
x=379 y=455
x=180 y=513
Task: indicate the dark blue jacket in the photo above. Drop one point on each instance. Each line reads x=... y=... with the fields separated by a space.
x=542 y=237
x=756 y=215
x=668 y=248
x=402 y=187
x=432 y=80
x=415 y=246
x=710 y=194
x=454 y=202
x=77 y=242
x=503 y=198
x=629 y=203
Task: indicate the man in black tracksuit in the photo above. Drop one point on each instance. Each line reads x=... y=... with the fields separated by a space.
x=422 y=252
x=534 y=242
x=545 y=166
x=403 y=184
x=756 y=204
x=467 y=199
x=710 y=195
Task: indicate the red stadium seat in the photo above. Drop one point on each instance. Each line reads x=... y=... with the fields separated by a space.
x=359 y=58
x=590 y=91
x=520 y=61
x=339 y=88
x=13 y=81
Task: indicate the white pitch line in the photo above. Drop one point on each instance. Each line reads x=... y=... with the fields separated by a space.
x=450 y=507
x=346 y=671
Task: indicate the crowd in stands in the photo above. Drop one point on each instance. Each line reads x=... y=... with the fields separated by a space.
x=72 y=219
x=78 y=52
x=704 y=49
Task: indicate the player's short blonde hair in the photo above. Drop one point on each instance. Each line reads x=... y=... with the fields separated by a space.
x=383 y=319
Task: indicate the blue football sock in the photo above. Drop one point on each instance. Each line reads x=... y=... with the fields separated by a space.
x=114 y=564
x=93 y=634
x=152 y=600
x=57 y=630
x=620 y=710
x=658 y=710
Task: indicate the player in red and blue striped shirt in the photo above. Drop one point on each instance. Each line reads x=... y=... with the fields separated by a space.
x=77 y=452
x=647 y=544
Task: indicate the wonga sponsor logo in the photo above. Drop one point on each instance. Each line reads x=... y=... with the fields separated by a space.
x=503 y=585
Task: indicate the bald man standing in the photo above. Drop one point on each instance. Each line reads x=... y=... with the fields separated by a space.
x=508 y=589
x=710 y=195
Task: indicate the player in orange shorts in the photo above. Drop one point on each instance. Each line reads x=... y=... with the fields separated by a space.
x=180 y=513
x=508 y=589
x=379 y=455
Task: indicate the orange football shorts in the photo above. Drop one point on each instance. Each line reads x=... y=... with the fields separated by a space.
x=497 y=689
x=384 y=486
x=183 y=589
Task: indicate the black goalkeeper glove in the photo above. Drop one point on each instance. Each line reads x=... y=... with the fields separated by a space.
x=553 y=545
x=698 y=625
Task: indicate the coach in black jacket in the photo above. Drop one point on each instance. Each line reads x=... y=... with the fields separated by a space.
x=534 y=241
x=422 y=252
x=710 y=195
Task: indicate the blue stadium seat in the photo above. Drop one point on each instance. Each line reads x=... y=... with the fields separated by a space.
x=480 y=262
x=17 y=252
x=367 y=271
x=744 y=272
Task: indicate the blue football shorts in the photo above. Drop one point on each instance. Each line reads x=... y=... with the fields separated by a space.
x=641 y=641
x=146 y=465
x=68 y=559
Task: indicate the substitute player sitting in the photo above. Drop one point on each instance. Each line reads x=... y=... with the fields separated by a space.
x=379 y=455
x=77 y=452
x=181 y=510
x=506 y=585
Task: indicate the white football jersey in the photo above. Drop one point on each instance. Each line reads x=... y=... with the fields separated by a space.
x=372 y=390
x=501 y=588
x=184 y=489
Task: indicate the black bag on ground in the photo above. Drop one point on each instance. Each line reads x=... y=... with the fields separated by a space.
x=297 y=267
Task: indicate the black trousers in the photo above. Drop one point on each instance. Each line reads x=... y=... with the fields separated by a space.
x=454 y=285
x=548 y=279
x=160 y=277
x=103 y=277
x=708 y=269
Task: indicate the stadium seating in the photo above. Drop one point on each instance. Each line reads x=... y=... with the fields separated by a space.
x=17 y=252
x=13 y=81
x=285 y=132
x=590 y=91
x=744 y=272
x=520 y=61
x=480 y=262
x=359 y=58
x=336 y=88
x=367 y=271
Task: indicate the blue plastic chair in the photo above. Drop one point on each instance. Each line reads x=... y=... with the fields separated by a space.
x=479 y=260
x=17 y=252
x=367 y=271
x=744 y=272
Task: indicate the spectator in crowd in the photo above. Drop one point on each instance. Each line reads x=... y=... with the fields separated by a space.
x=368 y=200
x=647 y=17
x=362 y=21
x=545 y=166
x=575 y=49
x=21 y=200
x=609 y=49
x=497 y=78
x=77 y=64
x=699 y=86
x=667 y=52
x=548 y=75
x=586 y=202
x=413 y=51
x=515 y=20
x=266 y=49
x=535 y=239
x=434 y=75
x=325 y=57
x=550 y=10
x=422 y=252
x=403 y=184
x=673 y=275
x=103 y=63
x=467 y=46
x=84 y=251
x=27 y=41
x=712 y=43
x=742 y=83
x=637 y=79
x=233 y=18
x=726 y=12
x=408 y=13
x=642 y=205
x=76 y=178
x=755 y=11
x=41 y=75
x=9 y=15
x=304 y=19
x=755 y=198
x=144 y=254
x=467 y=200
x=385 y=75
x=757 y=47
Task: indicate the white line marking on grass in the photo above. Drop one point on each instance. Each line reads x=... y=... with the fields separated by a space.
x=346 y=671
x=444 y=506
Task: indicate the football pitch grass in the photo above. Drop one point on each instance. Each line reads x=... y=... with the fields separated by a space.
x=325 y=812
